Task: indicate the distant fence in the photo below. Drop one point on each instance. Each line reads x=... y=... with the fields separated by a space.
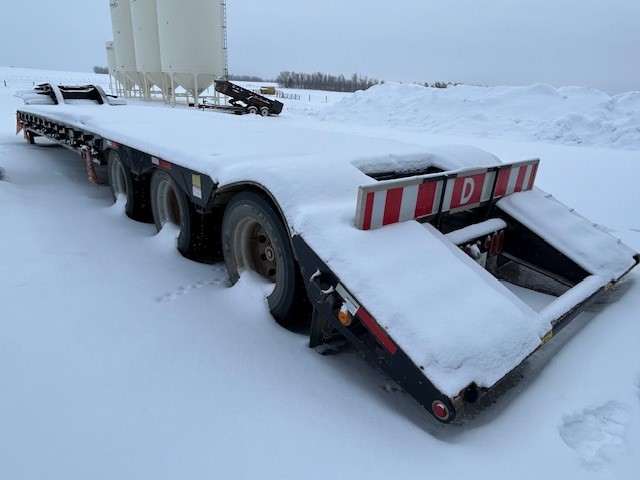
x=297 y=96
x=287 y=96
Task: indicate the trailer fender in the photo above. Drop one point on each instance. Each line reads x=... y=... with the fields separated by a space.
x=224 y=194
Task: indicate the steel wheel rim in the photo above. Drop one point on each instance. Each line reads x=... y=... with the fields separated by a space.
x=255 y=249
x=118 y=179
x=168 y=207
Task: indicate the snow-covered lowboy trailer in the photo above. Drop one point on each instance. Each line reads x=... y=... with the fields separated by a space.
x=408 y=253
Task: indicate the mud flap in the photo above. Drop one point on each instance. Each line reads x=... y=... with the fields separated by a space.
x=92 y=176
x=19 y=125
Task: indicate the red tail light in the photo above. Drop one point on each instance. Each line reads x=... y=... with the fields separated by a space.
x=440 y=410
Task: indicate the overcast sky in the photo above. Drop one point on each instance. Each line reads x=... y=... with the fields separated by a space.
x=491 y=42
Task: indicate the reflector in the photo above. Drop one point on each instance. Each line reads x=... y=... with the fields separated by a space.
x=440 y=410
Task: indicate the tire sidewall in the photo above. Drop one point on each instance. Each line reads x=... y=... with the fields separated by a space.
x=117 y=160
x=157 y=178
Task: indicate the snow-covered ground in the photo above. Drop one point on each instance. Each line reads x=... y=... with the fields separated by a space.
x=121 y=359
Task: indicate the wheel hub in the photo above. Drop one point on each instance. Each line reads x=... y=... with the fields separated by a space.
x=257 y=251
x=269 y=254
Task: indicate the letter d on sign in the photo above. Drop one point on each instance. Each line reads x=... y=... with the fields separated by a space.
x=467 y=190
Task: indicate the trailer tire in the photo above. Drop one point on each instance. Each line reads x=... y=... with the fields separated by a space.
x=169 y=204
x=252 y=109
x=254 y=237
x=264 y=111
x=120 y=181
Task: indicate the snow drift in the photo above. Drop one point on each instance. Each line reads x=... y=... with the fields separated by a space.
x=569 y=115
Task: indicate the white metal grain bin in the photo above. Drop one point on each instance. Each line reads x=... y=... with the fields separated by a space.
x=146 y=42
x=123 y=40
x=111 y=58
x=111 y=61
x=192 y=42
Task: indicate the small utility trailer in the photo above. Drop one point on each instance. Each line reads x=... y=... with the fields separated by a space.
x=244 y=100
x=405 y=252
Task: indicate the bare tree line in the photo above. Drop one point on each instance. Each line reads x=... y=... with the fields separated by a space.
x=324 y=81
x=246 y=78
x=440 y=84
x=315 y=81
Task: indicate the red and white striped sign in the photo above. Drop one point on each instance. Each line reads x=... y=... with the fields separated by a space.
x=426 y=196
x=161 y=163
x=515 y=179
x=399 y=203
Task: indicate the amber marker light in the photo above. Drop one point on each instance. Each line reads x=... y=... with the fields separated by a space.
x=344 y=316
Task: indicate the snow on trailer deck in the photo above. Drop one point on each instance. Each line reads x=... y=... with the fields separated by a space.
x=404 y=273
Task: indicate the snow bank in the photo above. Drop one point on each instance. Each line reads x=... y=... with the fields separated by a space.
x=569 y=115
x=13 y=77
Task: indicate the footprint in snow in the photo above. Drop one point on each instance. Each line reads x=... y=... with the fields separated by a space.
x=178 y=292
x=219 y=277
x=596 y=432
